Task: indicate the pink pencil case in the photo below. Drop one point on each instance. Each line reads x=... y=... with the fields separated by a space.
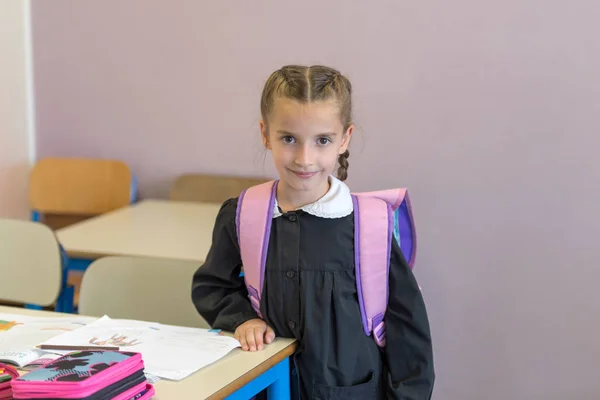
x=89 y=375
x=7 y=374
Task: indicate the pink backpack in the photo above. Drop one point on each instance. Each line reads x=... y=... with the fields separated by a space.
x=378 y=216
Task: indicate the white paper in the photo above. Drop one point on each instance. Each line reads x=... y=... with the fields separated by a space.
x=170 y=352
x=152 y=379
x=19 y=334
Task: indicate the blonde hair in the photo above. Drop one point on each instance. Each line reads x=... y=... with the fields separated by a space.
x=308 y=84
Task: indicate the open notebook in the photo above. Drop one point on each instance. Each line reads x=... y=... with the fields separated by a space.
x=19 y=334
x=27 y=360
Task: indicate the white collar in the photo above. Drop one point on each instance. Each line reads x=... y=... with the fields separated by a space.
x=336 y=203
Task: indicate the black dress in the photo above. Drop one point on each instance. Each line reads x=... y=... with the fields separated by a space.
x=310 y=294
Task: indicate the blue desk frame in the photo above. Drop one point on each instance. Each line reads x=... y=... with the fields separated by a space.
x=276 y=380
x=68 y=293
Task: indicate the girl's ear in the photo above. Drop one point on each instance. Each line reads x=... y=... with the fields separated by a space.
x=346 y=138
x=264 y=134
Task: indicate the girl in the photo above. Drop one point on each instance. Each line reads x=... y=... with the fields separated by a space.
x=310 y=286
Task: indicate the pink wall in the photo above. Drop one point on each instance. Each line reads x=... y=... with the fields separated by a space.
x=15 y=116
x=488 y=112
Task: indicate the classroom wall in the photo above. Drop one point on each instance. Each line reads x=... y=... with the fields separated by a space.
x=16 y=147
x=487 y=111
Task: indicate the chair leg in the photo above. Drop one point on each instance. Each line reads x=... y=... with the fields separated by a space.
x=36 y=216
x=65 y=300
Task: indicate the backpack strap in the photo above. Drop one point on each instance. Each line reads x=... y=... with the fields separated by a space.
x=373 y=226
x=253 y=221
x=376 y=214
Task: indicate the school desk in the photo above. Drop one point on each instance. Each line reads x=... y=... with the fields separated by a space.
x=239 y=375
x=150 y=228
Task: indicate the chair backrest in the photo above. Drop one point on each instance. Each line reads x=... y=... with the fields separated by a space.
x=147 y=289
x=30 y=263
x=79 y=186
x=210 y=188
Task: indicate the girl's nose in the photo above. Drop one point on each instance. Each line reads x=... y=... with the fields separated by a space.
x=304 y=156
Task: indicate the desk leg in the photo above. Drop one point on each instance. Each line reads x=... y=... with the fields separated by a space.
x=65 y=302
x=78 y=264
x=280 y=389
x=276 y=380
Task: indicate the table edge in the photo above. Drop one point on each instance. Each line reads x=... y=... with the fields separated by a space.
x=254 y=372
x=92 y=255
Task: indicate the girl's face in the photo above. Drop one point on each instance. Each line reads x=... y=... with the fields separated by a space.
x=306 y=140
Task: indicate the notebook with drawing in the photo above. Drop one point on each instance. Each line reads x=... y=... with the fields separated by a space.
x=19 y=334
x=27 y=359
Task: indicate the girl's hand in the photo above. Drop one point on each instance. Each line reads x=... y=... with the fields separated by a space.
x=253 y=333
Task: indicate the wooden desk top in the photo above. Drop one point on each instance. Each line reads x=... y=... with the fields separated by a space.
x=150 y=228
x=214 y=381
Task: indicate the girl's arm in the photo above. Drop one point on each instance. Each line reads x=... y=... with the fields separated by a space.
x=408 y=347
x=218 y=291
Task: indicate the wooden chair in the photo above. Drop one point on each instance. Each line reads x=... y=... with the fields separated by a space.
x=210 y=188
x=63 y=191
x=67 y=190
x=147 y=289
x=31 y=265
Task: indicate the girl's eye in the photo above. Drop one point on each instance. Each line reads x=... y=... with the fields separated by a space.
x=288 y=140
x=324 y=141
